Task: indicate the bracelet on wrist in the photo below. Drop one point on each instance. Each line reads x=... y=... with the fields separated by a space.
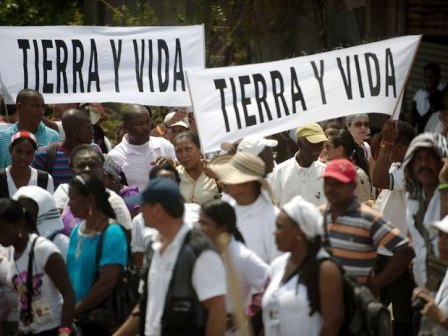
x=443 y=186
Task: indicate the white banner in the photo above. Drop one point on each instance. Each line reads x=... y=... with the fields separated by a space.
x=144 y=65
x=262 y=99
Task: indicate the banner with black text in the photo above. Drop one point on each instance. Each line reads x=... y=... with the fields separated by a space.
x=262 y=99
x=144 y=65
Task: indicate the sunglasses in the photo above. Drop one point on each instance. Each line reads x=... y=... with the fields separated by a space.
x=360 y=123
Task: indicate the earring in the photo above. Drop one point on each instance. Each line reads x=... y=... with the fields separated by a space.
x=299 y=238
x=20 y=234
x=90 y=211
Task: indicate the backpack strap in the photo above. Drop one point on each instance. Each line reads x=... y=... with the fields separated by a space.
x=4 y=191
x=54 y=234
x=51 y=157
x=42 y=179
x=29 y=280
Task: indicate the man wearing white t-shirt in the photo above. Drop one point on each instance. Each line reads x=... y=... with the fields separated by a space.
x=389 y=176
x=138 y=153
x=185 y=288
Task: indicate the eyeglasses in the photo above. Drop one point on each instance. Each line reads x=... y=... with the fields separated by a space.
x=360 y=123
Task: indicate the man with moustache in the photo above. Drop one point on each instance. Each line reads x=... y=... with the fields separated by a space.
x=422 y=165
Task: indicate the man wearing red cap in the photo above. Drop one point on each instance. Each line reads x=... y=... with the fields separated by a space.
x=354 y=230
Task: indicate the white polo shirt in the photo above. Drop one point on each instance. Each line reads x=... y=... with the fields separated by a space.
x=291 y=180
x=208 y=279
x=136 y=161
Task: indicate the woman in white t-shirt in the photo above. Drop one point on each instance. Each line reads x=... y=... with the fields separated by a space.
x=46 y=298
x=218 y=217
x=20 y=173
x=304 y=295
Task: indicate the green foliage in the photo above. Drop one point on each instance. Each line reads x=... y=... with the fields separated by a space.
x=40 y=12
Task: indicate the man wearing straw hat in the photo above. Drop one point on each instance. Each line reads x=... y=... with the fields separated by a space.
x=242 y=179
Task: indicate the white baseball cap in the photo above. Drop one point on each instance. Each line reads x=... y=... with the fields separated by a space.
x=255 y=145
x=182 y=123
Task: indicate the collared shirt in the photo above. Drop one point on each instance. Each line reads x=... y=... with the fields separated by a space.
x=198 y=191
x=137 y=161
x=291 y=180
x=355 y=236
x=44 y=136
x=60 y=171
x=208 y=279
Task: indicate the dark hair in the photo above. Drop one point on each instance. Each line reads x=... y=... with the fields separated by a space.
x=22 y=139
x=98 y=134
x=223 y=215
x=11 y=109
x=333 y=124
x=175 y=207
x=90 y=184
x=24 y=95
x=154 y=171
x=12 y=211
x=192 y=135
x=406 y=133
x=352 y=150
x=309 y=274
x=87 y=148
x=434 y=67
x=30 y=206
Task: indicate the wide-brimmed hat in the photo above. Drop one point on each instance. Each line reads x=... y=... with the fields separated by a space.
x=240 y=168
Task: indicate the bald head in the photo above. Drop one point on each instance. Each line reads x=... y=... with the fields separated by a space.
x=24 y=95
x=134 y=110
x=77 y=126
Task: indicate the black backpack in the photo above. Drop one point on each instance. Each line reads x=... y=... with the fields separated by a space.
x=42 y=181
x=363 y=314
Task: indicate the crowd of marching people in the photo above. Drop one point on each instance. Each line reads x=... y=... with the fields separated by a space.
x=154 y=237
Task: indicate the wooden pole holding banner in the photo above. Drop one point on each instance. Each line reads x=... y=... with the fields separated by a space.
x=406 y=79
x=241 y=323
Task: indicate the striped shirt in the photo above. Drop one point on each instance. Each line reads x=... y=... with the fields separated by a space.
x=61 y=171
x=44 y=136
x=355 y=236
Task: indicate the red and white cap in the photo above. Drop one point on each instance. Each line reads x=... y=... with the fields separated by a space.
x=23 y=134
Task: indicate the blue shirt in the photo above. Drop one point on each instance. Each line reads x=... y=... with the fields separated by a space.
x=81 y=256
x=44 y=136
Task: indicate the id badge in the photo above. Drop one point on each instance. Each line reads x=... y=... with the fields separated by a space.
x=41 y=311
